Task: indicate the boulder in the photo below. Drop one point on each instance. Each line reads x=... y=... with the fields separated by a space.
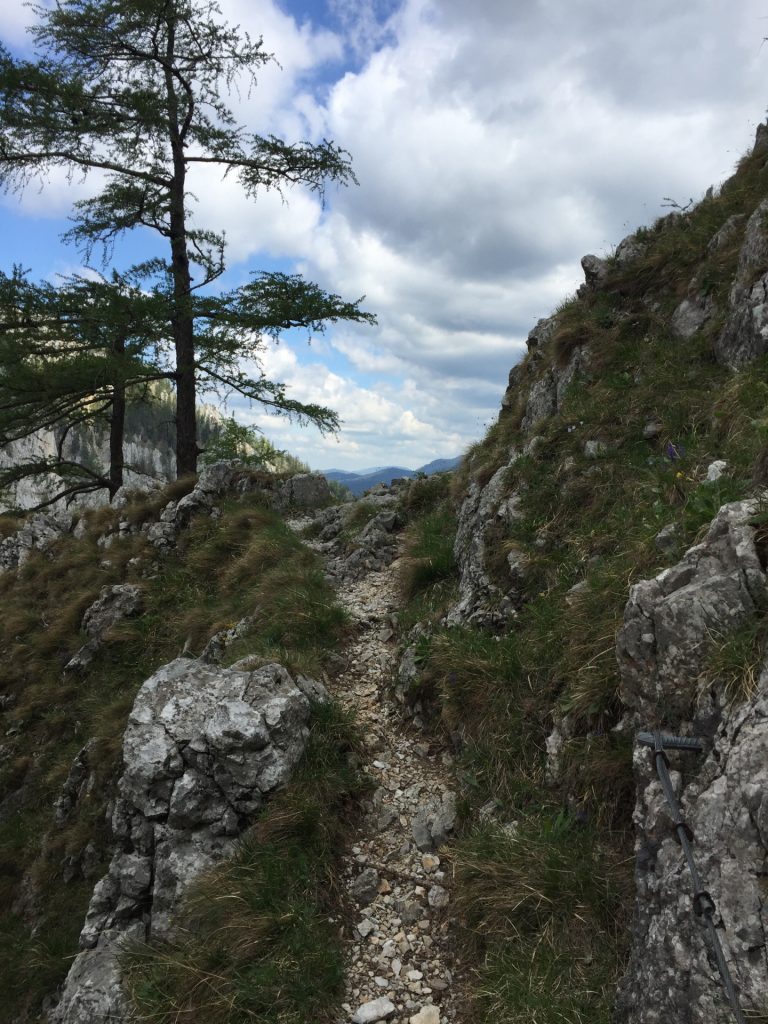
x=595 y=270
x=433 y=821
x=305 y=490
x=203 y=748
x=39 y=531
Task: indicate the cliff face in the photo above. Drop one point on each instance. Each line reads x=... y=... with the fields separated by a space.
x=154 y=465
x=717 y=589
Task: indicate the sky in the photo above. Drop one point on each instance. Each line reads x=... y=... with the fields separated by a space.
x=495 y=143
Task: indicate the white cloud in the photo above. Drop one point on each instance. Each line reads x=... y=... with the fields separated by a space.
x=495 y=143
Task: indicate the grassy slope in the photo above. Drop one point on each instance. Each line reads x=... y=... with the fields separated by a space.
x=247 y=562
x=546 y=906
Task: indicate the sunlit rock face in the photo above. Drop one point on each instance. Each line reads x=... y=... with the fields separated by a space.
x=147 y=465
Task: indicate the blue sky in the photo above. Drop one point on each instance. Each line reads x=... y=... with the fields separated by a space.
x=495 y=144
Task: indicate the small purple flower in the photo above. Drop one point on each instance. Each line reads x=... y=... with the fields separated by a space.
x=675 y=451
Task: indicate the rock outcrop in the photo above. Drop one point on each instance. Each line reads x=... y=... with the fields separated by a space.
x=745 y=334
x=481 y=601
x=203 y=748
x=37 y=533
x=112 y=606
x=354 y=550
x=670 y=626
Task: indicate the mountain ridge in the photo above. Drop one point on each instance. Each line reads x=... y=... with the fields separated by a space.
x=359 y=482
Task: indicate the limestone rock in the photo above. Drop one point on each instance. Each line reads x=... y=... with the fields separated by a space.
x=203 y=747
x=667 y=538
x=692 y=314
x=670 y=621
x=628 y=250
x=745 y=334
x=77 y=784
x=365 y=887
x=433 y=821
x=426 y=1015
x=595 y=270
x=541 y=333
x=716 y=469
x=38 y=532
x=304 y=490
x=375 y=1010
x=541 y=402
x=727 y=232
x=112 y=606
x=93 y=994
x=480 y=600
x=668 y=630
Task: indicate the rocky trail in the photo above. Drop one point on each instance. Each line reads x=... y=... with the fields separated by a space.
x=400 y=961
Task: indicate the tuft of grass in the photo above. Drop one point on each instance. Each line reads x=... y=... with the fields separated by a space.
x=259 y=937
x=544 y=904
x=428 y=557
x=426 y=493
x=734 y=663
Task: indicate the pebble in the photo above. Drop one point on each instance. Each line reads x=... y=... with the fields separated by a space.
x=426 y=1015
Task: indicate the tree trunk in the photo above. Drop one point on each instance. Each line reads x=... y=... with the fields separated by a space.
x=116 y=434
x=117 y=421
x=183 y=324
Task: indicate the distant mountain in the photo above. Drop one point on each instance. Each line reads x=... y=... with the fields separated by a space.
x=363 y=479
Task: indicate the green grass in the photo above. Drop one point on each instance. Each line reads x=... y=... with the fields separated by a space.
x=246 y=563
x=259 y=936
x=735 y=661
x=544 y=905
x=428 y=557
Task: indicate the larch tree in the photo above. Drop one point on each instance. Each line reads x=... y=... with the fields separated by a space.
x=135 y=90
x=72 y=356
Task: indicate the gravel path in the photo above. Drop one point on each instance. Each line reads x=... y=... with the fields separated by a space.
x=400 y=964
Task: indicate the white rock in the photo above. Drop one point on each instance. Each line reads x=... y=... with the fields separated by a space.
x=375 y=1010
x=437 y=896
x=426 y=1015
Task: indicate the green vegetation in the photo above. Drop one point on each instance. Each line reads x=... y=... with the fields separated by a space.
x=235 y=440
x=735 y=662
x=259 y=935
x=246 y=563
x=546 y=902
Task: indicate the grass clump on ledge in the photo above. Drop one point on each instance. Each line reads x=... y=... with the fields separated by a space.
x=428 y=570
x=259 y=936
